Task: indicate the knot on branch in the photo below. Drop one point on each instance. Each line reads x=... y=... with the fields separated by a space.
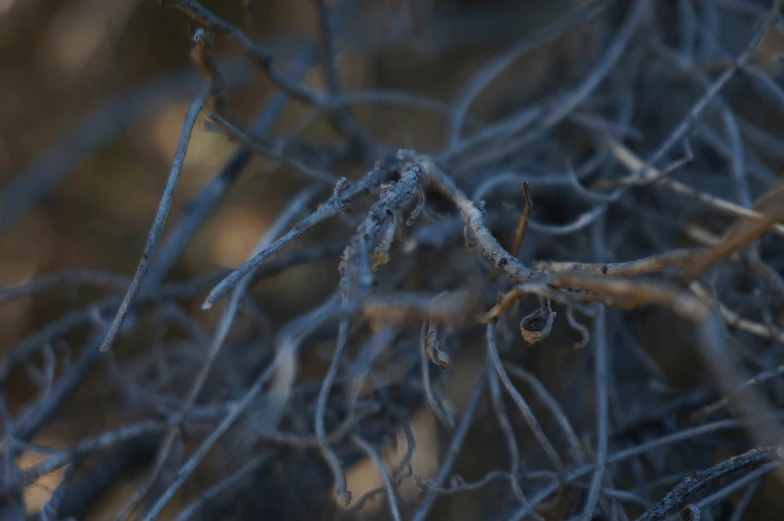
x=203 y=38
x=340 y=199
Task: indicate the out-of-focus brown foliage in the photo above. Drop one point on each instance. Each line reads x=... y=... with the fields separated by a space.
x=394 y=259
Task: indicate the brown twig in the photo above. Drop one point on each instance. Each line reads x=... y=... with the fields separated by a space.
x=652 y=264
x=742 y=235
x=629 y=160
x=522 y=226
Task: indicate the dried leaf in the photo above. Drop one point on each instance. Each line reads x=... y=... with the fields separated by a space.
x=380 y=254
x=538 y=325
x=433 y=348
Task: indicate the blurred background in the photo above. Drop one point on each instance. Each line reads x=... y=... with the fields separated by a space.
x=93 y=94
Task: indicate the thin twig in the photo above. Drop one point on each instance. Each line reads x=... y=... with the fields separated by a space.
x=342 y=115
x=234 y=130
x=602 y=414
x=552 y=405
x=474 y=219
x=743 y=234
x=644 y=176
x=702 y=478
x=213 y=493
x=522 y=226
x=652 y=264
x=389 y=487
x=160 y=217
x=190 y=465
x=337 y=204
x=628 y=159
x=713 y=408
x=260 y=56
x=511 y=443
x=454 y=448
x=321 y=402
x=217 y=342
x=525 y=410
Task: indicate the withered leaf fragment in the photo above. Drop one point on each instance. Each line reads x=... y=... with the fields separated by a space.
x=433 y=348
x=538 y=325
